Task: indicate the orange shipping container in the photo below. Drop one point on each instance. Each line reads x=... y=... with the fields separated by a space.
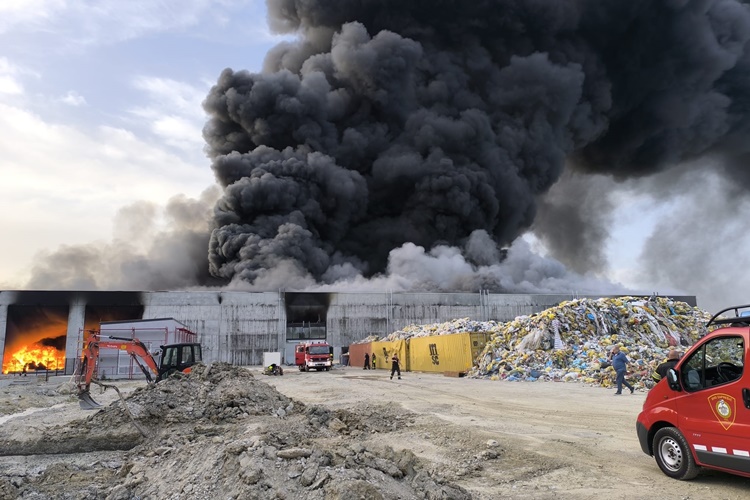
x=446 y=353
x=357 y=353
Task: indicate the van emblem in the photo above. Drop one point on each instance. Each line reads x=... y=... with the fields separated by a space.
x=723 y=406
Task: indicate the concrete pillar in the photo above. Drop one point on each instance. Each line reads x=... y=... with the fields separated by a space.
x=74 y=336
x=3 y=329
x=281 y=329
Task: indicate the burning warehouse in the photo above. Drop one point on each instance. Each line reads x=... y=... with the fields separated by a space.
x=45 y=330
x=396 y=146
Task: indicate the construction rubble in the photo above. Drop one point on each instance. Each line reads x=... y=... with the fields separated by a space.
x=571 y=342
x=219 y=433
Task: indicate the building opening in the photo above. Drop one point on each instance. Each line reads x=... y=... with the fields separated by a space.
x=35 y=339
x=306 y=316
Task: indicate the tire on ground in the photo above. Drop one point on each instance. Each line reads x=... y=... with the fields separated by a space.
x=673 y=455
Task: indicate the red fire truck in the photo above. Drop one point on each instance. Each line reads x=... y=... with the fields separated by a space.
x=313 y=356
x=699 y=414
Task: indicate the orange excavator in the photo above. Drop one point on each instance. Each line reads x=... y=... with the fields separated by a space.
x=174 y=358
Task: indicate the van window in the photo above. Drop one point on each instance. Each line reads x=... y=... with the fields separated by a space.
x=717 y=362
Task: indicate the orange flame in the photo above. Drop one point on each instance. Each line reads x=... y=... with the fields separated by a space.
x=35 y=356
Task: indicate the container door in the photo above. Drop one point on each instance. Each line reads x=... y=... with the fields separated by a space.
x=714 y=413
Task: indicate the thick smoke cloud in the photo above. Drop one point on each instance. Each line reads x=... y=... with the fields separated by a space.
x=705 y=246
x=151 y=249
x=56 y=342
x=392 y=128
x=574 y=218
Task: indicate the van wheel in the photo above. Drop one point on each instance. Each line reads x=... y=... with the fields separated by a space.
x=673 y=454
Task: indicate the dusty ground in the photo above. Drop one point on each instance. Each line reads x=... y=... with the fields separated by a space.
x=344 y=434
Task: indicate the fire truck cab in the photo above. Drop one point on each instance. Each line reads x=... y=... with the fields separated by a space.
x=313 y=356
x=699 y=414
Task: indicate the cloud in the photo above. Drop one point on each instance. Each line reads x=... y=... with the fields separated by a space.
x=62 y=183
x=28 y=12
x=153 y=247
x=174 y=112
x=9 y=83
x=85 y=22
x=77 y=143
x=73 y=98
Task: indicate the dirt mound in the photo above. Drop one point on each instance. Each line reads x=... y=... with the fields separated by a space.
x=219 y=393
x=212 y=395
x=219 y=432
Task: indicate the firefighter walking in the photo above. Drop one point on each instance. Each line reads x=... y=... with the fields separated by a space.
x=395 y=368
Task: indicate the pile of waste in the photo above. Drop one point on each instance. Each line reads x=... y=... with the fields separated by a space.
x=462 y=325
x=367 y=340
x=571 y=341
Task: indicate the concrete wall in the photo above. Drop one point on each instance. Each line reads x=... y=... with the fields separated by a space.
x=235 y=327
x=238 y=327
x=5 y=297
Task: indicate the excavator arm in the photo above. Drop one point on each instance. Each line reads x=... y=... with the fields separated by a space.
x=90 y=358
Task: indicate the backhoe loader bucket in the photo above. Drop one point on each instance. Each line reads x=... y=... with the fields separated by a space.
x=87 y=402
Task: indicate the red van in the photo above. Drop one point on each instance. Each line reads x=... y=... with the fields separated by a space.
x=699 y=414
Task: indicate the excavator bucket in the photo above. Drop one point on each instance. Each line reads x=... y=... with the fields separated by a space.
x=87 y=402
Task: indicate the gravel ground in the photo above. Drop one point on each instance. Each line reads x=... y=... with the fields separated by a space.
x=229 y=432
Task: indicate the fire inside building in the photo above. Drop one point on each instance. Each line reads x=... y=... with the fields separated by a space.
x=45 y=330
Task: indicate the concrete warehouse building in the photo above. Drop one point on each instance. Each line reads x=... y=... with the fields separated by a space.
x=238 y=327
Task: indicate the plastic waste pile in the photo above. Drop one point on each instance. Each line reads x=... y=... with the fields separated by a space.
x=367 y=340
x=462 y=325
x=571 y=341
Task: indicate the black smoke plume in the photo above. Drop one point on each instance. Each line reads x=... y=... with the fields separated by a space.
x=391 y=123
x=56 y=342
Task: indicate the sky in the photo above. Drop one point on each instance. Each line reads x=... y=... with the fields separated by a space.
x=101 y=122
x=100 y=107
